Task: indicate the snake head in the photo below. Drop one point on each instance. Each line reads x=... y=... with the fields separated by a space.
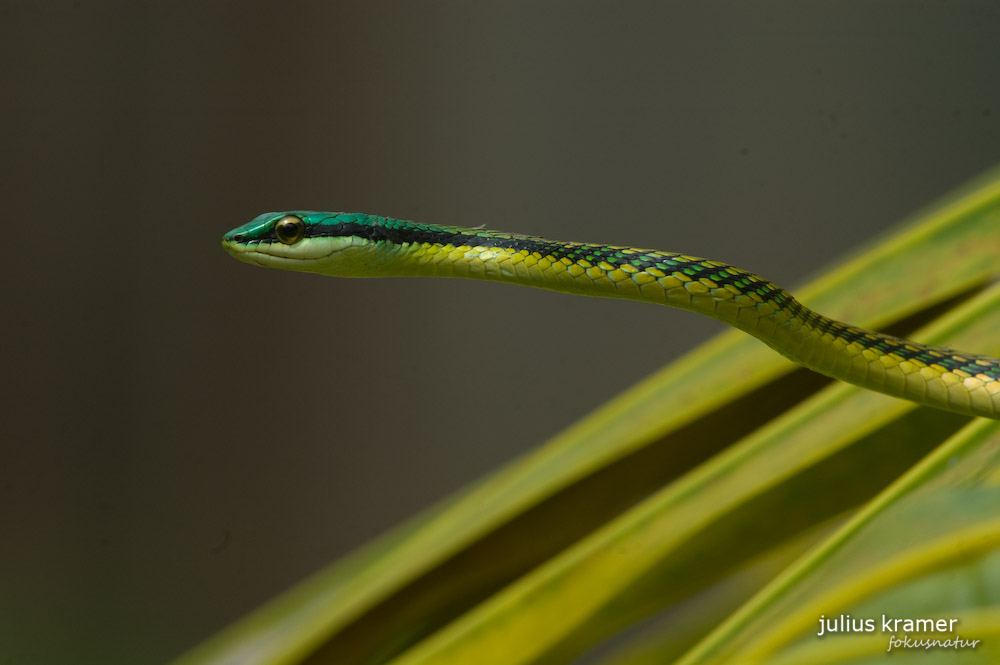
x=339 y=244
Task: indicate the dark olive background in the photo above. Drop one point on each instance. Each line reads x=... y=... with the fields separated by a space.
x=184 y=436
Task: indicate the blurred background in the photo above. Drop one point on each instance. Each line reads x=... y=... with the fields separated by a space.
x=167 y=465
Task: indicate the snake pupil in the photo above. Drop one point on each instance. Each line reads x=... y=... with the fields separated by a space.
x=290 y=229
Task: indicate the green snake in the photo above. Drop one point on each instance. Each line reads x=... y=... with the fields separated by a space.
x=358 y=245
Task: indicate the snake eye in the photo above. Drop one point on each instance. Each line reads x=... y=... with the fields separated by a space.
x=290 y=229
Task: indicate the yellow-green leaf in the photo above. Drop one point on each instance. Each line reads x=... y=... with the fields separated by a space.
x=409 y=584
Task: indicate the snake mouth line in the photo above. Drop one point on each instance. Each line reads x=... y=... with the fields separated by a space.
x=252 y=252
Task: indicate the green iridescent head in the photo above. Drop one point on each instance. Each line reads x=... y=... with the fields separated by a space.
x=340 y=244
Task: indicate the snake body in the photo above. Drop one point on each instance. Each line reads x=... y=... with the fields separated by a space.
x=358 y=245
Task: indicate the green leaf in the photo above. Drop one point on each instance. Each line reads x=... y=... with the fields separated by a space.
x=545 y=520
x=766 y=488
x=928 y=546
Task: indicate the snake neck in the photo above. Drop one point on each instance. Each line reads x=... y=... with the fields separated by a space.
x=730 y=294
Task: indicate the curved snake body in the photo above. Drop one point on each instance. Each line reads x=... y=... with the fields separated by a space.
x=358 y=245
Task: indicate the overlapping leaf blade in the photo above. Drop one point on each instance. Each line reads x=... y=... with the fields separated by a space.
x=796 y=471
x=927 y=547
x=409 y=584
